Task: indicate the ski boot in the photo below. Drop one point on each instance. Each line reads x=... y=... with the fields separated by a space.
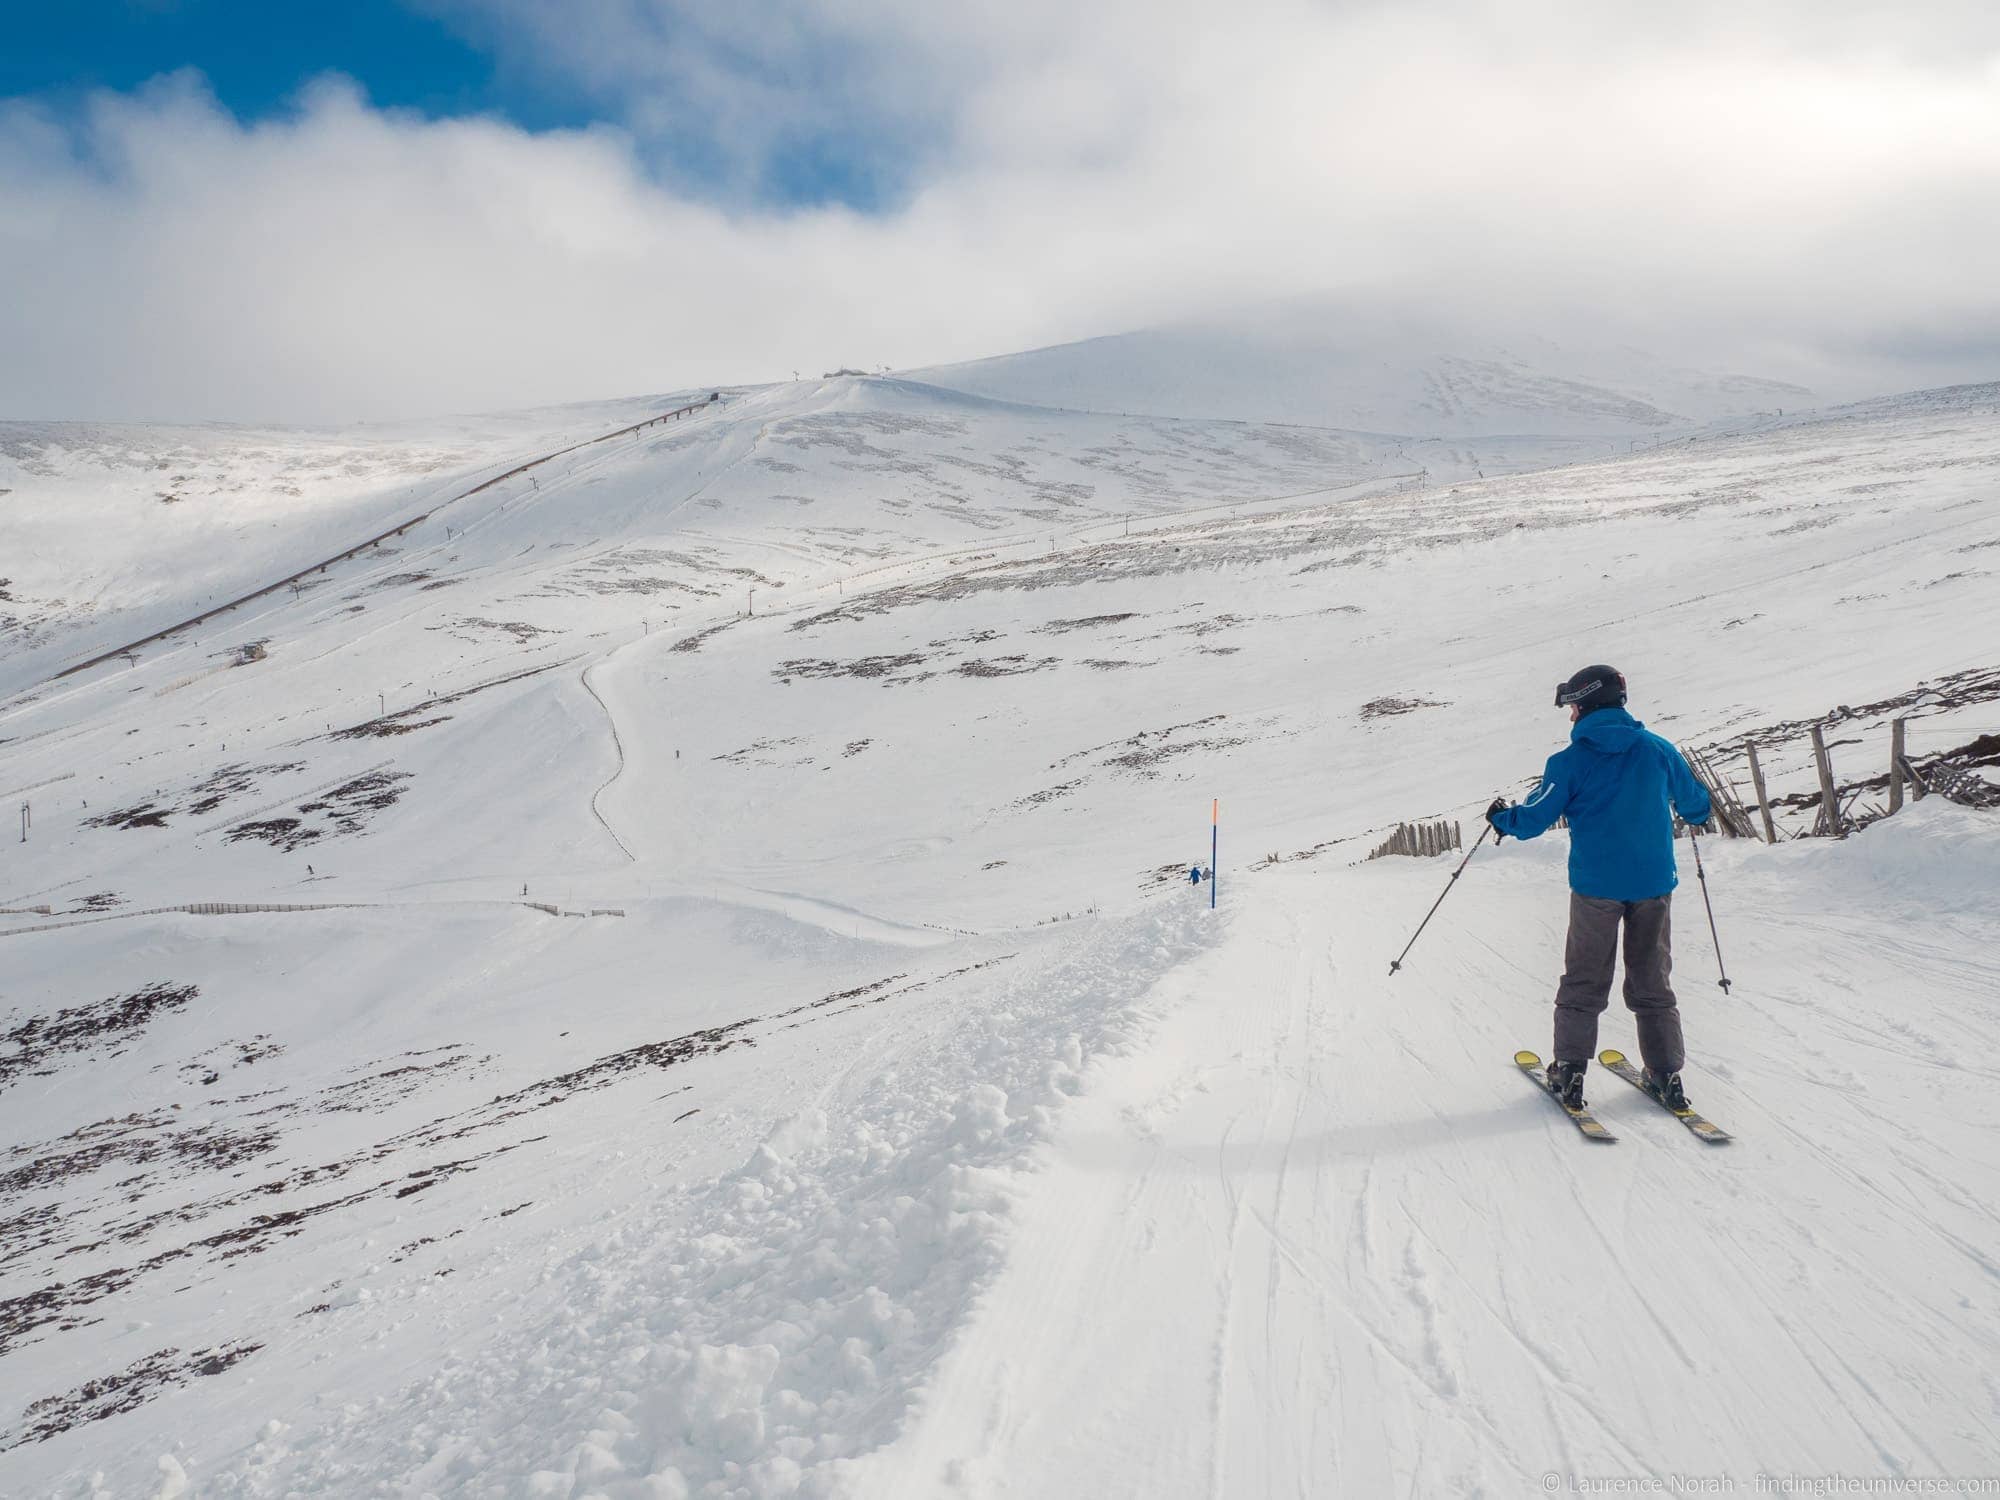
x=1566 y=1083
x=1666 y=1087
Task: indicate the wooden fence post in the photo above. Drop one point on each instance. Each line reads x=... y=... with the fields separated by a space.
x=1829 y=800
x=1896 y=765
x=1763 y=800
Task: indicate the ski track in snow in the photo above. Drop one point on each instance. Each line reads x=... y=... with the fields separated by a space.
x=914 y=1132
x=1300 y=1204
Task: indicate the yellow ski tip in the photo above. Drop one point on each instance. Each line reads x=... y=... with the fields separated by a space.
x=1611 y=1057
x=1527 y=1059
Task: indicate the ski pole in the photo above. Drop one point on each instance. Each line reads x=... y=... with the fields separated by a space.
x=1398 y=962
x=1702 y=874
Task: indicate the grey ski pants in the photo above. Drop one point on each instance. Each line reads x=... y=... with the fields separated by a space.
x=1586 y=983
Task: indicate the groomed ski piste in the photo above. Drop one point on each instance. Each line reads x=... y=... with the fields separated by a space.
x=766 y=1045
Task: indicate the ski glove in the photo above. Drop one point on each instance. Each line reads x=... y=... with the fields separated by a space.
x=1499 y=806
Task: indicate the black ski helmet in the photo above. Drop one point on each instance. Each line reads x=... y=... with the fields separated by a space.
x=1592 y=688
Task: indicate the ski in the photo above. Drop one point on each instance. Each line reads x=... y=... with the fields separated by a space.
x=1588 y=1123
x=1617 y=1062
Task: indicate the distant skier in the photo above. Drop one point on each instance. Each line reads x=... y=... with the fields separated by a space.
x=1194 y=874
x=1619 y=786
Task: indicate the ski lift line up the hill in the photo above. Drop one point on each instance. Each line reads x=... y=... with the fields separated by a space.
x=713 y=399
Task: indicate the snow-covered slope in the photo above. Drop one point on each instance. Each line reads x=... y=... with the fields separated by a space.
x=762 y=1046
x=1318 y=1238
x=115 y=530
x=1367 y=371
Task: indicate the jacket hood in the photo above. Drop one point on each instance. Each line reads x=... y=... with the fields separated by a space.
x=1610 y=730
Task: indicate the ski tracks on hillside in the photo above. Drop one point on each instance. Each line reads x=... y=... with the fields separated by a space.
x=618 y=750
x=1170 y=1322
x=1318 y=1239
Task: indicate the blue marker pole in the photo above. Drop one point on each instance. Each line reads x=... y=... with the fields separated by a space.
x=1214 y=838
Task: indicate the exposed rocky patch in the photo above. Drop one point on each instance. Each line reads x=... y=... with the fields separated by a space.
x=1005 y=666
x=700 y=638
x=1087 y=622
x=61 y=1303
x=206 y=1068
x=759 y=753
x=98 y=1026
x=1050 y=794
x=131 y=1387
x=1386 y=708
x=402 y=721
x=520 y=630
x=375 y=1088
x=268 y=1213
x=861 y=666
x=1143 y=752
x=205 y=796
x=633 y=570
x=1205 y=626
x=154 y=1141
x=395 y=581
x=348 y=808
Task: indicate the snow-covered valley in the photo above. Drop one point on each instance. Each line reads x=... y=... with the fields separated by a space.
x=730 y=1018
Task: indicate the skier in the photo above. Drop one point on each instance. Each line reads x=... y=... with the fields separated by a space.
x=1194 y=874
x=1618 y=785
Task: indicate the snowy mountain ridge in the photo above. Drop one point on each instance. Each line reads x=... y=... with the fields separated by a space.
x=735 y=1021
x=1368 y=372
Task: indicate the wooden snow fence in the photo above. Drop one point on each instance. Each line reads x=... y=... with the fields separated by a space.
x=1838 y=807
x=1421 y=840
x=1727 y=815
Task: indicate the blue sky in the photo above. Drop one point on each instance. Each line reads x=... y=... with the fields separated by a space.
x=449 y=58
x=768 y=185
x=255 y=54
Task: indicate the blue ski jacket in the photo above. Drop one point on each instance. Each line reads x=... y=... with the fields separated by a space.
x=1619 y=785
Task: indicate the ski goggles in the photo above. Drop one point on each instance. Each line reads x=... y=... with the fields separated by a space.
x=1567 y=696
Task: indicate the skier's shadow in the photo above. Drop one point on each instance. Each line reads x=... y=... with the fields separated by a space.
x=1364 y=1140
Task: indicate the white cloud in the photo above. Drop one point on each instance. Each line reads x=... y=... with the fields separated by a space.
x=1812 y=184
